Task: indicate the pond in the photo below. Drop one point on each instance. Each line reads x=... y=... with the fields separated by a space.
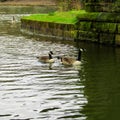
x=31 y=90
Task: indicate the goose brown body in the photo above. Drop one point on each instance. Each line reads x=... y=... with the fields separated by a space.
x=71 y=61
x=67 y=60
x=46 y=59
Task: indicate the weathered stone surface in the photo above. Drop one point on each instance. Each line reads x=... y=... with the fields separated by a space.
x=117 y=39
x=102 y=5
x=101 y=24
x=64 y=31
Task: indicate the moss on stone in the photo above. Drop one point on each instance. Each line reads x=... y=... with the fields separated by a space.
x=105 y=38
x=98 y=16
x=87 y=36
x=117 y=39
x=104 y=27
x=118 y=28
x=84 y=26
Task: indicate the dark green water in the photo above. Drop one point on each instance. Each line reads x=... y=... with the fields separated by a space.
x=102 y=83
x=31 y=90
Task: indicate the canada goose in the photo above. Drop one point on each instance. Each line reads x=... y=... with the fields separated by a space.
x=13 y=19
x=71 y=61
x=46 y=59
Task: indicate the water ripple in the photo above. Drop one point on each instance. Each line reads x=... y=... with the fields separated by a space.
x=30 y=89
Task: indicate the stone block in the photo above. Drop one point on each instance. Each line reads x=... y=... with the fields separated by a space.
x=117 y=39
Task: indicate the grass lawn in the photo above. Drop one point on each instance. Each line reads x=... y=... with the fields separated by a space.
x=69 y=17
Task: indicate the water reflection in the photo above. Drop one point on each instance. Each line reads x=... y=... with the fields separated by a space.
x=102 y=84
x=29 y=89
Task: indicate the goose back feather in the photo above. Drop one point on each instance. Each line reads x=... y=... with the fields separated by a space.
x=70 y=60
x=46 y=59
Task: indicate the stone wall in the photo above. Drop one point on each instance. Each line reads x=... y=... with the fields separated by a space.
x=102 y=5
x=62 y=31
x=101 y=23
x=91 y=29
x=102 y=28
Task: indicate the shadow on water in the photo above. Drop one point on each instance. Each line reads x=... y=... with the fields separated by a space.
x=102 y=84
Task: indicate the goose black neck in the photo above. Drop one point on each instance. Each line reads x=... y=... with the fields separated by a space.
x=50 y=56
x=79 y=55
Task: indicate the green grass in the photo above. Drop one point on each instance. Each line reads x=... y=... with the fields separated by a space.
x=69 y=17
